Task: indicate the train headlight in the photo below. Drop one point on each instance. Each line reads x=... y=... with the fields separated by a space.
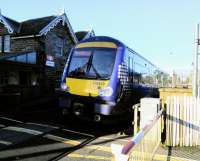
x=108 y=91
x=64 y=87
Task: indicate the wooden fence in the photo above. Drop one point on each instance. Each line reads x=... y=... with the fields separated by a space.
x=182 y=121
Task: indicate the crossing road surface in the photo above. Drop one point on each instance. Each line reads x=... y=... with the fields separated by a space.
x=33 y=137
x=30 y=141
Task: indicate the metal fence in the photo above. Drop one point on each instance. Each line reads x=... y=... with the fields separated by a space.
x=183 y=121
x=143 y=145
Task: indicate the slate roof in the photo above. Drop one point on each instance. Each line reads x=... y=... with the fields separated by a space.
x=81 y=34
x=14 y=24
x=29 y=27
x=34 y=26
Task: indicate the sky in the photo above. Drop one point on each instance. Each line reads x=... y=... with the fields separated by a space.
x=161 y=31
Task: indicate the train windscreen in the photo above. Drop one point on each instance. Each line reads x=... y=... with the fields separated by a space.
x=94 y=63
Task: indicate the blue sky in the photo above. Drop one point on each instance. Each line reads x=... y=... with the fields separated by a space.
x=162 y=31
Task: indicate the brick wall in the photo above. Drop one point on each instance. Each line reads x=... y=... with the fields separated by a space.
x=25 y=45
x=46 y=45
x=57 y=35
x=53 y=40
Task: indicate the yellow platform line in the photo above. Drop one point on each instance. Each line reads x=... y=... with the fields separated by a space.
x=108 y=149
x=93 y=147
x=98 y=147
x=107 y=138
x=158 y=157
x=172 y=158
x=76 y=155
x=75 y=143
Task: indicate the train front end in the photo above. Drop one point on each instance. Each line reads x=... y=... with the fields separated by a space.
x=90 y=79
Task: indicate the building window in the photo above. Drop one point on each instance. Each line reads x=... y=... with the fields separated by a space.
x=1 y=45
x=29 y=58
x=7 y=43
x=59 y=45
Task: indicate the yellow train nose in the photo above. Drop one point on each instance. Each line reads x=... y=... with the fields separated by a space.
x=83 y=87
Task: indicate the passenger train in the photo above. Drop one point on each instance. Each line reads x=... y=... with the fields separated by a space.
x=104 y=78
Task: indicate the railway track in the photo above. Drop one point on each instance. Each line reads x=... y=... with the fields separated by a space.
x=34 y=141
x=30 y=137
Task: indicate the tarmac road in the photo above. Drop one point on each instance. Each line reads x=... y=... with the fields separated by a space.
x=45 y=135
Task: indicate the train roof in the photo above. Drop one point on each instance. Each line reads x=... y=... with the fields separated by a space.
x=104 y=38
x=118 y=43
x=131 y=50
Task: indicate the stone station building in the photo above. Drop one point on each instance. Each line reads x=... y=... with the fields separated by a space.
x=32 y=57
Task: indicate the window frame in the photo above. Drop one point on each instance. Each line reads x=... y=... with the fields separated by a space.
x=1 y=43
x=5 y=43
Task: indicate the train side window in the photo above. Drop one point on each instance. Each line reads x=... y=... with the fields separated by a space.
x=132 y=70
x=129 y=64
x=136 y=78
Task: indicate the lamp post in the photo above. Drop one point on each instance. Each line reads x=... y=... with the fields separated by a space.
x=195 y=79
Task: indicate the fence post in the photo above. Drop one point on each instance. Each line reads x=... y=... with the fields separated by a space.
x=136 y=127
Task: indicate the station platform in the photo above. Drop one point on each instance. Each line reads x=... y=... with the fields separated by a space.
x=164 y=153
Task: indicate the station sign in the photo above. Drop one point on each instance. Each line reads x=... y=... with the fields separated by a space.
x=50 y=61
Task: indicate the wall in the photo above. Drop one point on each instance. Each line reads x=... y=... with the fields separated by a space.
x=56 y=38
x=58 y=44
x=44 y=79
x=25 y=45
